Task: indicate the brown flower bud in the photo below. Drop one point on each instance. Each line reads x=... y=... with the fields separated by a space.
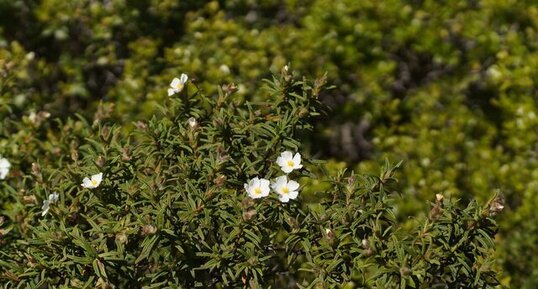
x=404 y=271
x=329 y=234
x=247 y=203
x=125 y=154
x=36 y=170
x=100 y=162
x=248 y=215
x=220 y=180
x=229 y=88
x=121 y=238
x=496 y=206
x=141 y=125
x=148 y=230
x=31 y=199
x=74 y=155
x=105 y=133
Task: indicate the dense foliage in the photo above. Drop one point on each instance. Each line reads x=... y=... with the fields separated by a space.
x=447 y=86
x=169 y=209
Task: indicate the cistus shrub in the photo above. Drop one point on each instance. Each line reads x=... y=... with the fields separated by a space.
x=175 y=204
x=449 y=87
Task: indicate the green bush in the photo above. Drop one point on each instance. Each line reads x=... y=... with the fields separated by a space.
x=446 y=86
x=171 y=210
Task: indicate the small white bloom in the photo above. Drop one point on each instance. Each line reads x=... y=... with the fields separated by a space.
x=257 y=188
x=53 y=198
x=287 y=190
x=224 y=69
x=289 y=162
x=177 y=84
x=192 y=122
x=5 y=165
x=93 y=182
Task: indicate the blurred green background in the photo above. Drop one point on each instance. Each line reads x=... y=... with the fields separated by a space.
x=449 y=87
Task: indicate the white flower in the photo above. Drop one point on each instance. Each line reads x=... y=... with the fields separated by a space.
x=289 y=162
x=192 y=122
x=93 y=182
x=287 y=190
x=257 y=188
x=177 y=84
x=53 y=198
x=5 y=165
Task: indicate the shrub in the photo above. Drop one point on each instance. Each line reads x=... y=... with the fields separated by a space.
x=448 y=87
x=171 y=210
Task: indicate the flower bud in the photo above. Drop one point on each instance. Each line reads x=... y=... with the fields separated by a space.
x=36 y=169
x=31 y=199
x=148 y=230
x=125 y=154
x=329 y=234
x=229 y=88
x=248 y=215
x=105 y=133
x=121 y=238
x=220 y=180
x=404 y=271
x=496 y=206
x=100 y=162
x=141 y=125
x=193 y=124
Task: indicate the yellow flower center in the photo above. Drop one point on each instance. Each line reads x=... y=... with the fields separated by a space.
x=257 y=191
x=94 y=182
x=290 y=163
x=285 y=190
x=179 y=86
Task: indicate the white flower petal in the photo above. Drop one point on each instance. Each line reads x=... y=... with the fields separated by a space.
x=293 y=185
x=171 y=91
x=279 y=182
x=53 y=198
x=287 y=169
x=4 y=163
x=3 y=173
x=86 y=183
x=175 y=83
x=281 y=161
x=287 y=155
x=264 y=186
x=97 y=178
x=293 y=194
x=284 y=198
x=45 y=208
x=183 y=79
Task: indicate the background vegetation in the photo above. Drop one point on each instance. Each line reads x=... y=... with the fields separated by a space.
x=449 y=87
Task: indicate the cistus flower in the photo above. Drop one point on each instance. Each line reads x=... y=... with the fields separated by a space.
x=257 y=188
x=286 y=190
x=5 y=165
x=53 y=198
x=92 y=182
x=177 y=84
x=289 y=162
